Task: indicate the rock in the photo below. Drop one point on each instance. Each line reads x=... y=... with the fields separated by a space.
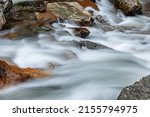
x=70 y=11
x=2 y=20
x=90 y=45
x=129 y=7
x=5 y=6
x=11 y=74
x=46 y=16
x=146 y=8
x=138 y=91
x=88 y=3
x=81 y=32
x=103 y=24
x=84 y=3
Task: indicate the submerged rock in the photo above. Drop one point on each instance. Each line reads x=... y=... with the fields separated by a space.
x=70 y=11
x=138 y=91
x=90 y=45
x=11 y=74
x=129 y=7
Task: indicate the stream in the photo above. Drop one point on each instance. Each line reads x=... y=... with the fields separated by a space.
x=82 y=73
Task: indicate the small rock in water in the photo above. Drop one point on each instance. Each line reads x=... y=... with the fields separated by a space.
x=11 y=74
x=81 y=32
x=138 y=91
x=90 y=45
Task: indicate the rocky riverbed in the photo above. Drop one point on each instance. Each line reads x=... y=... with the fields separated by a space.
x=61 y=49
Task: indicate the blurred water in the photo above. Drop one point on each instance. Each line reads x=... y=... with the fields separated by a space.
x=83 y=73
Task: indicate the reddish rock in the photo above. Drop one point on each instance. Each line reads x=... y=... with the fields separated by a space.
x=87 y=3
x=46 y=16
x=11 y=74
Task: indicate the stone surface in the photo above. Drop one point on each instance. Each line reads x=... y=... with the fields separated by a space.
x=84 y=3
x=2 y=20
x=81 y=32
x=70 y=11
x=138 y=91
x=129 y=7
x=11 y=74
x=146 y=8
x=90 y=45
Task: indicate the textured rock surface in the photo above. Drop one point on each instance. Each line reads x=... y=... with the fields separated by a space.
x=69 y=10
x=138 y=91
x=129 y=7
x=11 y=74
x=81 y=32
x=146 y=8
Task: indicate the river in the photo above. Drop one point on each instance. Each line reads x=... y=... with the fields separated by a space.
x=83 y=73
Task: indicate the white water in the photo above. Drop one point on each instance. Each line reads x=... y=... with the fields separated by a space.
x=83 y=73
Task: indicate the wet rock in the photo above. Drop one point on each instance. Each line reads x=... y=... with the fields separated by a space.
x=30 y=6
x=90 y=45
x=84 y=3
x=81 y=32
x=26 y=28
x=103 y=24
x=146 y=8
x=129 y=7
x=5 y=6
x=88 y=3
x=11 y=74
x=46 y=16
x=2 y=20
x=138 y=91
x=70 y=11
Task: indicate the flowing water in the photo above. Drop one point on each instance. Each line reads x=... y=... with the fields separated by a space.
x=83 y=73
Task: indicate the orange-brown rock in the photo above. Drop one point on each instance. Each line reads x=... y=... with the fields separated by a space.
x=46 y=16
x=11 y=74
x=86 y=3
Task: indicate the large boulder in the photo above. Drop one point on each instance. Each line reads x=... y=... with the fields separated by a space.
x=69 y=10
x=146 y=8
x=138 y=91
x=129 y=7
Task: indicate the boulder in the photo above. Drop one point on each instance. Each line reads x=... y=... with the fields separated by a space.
x=72 y=11
x=129 y=7
x=11 y=74
x=2 y=20
x=146 y=8
x=84 y=3
x=138 y=91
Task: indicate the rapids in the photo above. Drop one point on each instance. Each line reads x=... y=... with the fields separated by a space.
x=82 y=73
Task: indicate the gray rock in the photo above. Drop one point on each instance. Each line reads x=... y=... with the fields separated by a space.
x=146 y=8
x=138 y=91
